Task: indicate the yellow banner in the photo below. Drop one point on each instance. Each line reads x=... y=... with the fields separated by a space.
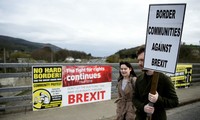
x=183 y=75
x=47 y=84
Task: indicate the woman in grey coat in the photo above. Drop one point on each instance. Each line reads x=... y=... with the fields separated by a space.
x=125 y=86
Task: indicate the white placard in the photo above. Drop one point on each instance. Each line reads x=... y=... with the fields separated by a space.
x=163 y=37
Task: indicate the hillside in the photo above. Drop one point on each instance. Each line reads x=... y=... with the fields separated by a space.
x=187 y=53
x=19 y=48
x=11 y=43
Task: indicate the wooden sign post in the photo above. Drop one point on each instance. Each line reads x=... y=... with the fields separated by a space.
x=154 y=84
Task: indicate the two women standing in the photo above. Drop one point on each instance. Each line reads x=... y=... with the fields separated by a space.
x=125 y=86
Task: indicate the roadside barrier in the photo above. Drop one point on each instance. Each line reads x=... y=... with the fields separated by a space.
x=16 y=82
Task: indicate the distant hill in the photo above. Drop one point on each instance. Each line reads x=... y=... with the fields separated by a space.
x=11 y=43
x=187 y=53
x=19 y=48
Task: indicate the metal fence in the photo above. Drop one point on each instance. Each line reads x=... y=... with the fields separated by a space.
x=18 y=97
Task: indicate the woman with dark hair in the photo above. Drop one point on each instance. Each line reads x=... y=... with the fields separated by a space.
x=125 y=86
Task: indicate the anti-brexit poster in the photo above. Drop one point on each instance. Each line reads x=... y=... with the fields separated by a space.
x=183 y=75
x=58 y=86
x=86 y=84
x=80 y=75
x=163 y=36
x=46 y=87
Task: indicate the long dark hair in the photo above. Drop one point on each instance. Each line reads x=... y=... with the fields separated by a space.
x=132 y=73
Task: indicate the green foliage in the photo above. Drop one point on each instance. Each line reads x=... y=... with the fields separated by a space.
x=113 y=58
x=43 y=54
x=189 y=54
x=124 y=54
x=61 y=55
x=16 y=55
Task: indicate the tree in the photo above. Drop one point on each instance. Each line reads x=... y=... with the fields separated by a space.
x=113 y=58
x=43 y=54
x=15 y=55
x=61 y=55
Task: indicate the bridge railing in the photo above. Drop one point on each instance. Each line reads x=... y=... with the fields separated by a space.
x=16 y=83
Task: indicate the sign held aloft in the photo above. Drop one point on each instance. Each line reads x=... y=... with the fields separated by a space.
x=163 y=36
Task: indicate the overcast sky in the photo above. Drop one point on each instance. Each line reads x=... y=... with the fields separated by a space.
x=99 y=27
